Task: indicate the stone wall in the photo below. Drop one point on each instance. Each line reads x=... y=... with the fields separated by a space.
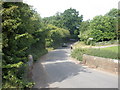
x=106 y=64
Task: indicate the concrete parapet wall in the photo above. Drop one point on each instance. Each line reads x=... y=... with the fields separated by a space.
x=109 y=65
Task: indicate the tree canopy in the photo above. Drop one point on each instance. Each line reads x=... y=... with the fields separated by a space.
x=100 y=28
x=69 y=20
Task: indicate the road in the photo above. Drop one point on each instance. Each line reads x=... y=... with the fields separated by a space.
x=57 y=70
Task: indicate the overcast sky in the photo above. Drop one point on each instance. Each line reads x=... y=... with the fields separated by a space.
x=87 y=8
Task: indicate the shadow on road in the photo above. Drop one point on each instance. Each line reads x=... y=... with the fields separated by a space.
x=60 y=71
x=58 y=66
x=55 y=67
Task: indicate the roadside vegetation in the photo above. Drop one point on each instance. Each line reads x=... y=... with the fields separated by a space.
x=112 y=49
x=100 y=28
x=81 y=44
x=103 y=31
x=108 y=52
x=25 y=33
x=56 y=36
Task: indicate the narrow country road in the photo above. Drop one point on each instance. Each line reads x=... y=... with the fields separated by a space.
x=56 y=70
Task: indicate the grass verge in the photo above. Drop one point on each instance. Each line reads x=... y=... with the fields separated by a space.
x=50 y=49
x=113 y=48
x=109 y=52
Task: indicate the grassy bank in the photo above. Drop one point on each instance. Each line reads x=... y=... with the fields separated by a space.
x=109 y=52
x=81 y=44
x=113 y=48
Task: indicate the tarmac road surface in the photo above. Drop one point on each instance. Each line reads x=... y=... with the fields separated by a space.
x=56 y=70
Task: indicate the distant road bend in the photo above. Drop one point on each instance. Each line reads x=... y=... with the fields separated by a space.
x=56 y=70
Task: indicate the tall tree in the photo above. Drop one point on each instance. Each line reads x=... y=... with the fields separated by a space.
x=69 y=20
x=105 y=26
x=84 y=30
x=113 y=13
x=72 y=20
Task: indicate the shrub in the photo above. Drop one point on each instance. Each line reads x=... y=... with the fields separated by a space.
x=78 y=53
x=56 y=36
x=23 y=34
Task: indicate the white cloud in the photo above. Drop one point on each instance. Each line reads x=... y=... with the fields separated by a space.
x=88 y=8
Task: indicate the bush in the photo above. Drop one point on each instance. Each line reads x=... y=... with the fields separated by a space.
x=78 y=53
x=23 y=34
x=56 y=36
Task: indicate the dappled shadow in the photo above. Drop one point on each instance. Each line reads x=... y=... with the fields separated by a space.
x=55 y=67
x=60 y=71
x=59 y=67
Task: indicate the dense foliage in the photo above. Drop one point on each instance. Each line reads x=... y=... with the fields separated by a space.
x=23 y=34
x=56 y=36
x=103 y=28
x=84 y=30
x=69 y=20
x=100 y=28
x=78 y=53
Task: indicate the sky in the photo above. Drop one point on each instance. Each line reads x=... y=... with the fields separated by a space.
x=87 y=8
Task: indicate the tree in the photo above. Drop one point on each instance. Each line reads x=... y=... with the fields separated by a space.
x=56 y=20
x=84 y=30
x=105 y=25
x=69 y=20
x=56 y=36
x=113 y=13
x=72 y=21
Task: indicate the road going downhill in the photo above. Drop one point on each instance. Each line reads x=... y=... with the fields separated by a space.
x=56 y=70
